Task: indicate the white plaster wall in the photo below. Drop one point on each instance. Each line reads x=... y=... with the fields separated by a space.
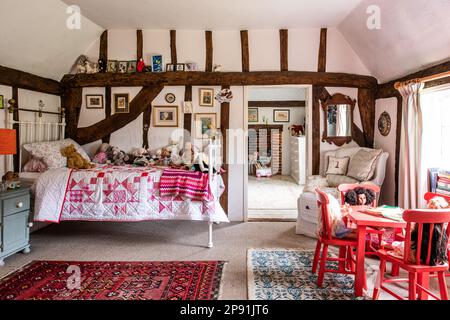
x=388 y=144
x=155 y=42
x=227 y=50
x=186 y=52
x=264 y=50
x=303 y=48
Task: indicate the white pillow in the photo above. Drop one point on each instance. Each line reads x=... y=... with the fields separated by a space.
x=50 y=152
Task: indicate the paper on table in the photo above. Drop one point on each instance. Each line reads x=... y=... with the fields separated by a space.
x=389 y=212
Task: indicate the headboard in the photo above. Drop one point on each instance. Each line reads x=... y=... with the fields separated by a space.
x=33 y=129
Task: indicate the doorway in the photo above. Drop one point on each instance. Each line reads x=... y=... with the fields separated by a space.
x=277 y=148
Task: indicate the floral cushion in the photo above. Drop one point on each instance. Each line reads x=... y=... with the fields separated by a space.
x=50 y=152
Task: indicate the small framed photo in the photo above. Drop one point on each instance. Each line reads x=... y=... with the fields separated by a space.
x=206 y=97
x=121 y=104
x=165 y=116
x=94 y=101
x=132 y=66
x=170 y=67
x=187 y=107
x=2 y=102
x=203 y=123
x=281 y=115
x=253 y=115
x=111 y=66
x=157 y=63
x=179 y=67
x=122 y=67
x=190 y=66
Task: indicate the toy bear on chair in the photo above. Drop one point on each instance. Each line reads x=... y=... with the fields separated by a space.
x=74 y=159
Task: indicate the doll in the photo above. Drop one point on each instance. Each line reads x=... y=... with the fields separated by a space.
x=360 y=197
x=140 y=65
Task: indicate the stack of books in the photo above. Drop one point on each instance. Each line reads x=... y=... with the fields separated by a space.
x=443 y=183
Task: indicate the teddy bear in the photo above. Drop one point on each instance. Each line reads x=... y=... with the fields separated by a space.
x=74 y=159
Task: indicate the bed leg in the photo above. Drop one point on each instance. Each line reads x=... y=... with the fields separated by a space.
x=210 y=242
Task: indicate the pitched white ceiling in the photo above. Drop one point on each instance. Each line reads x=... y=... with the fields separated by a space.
x=414 y=34
x=34 y=37
x=215 y=14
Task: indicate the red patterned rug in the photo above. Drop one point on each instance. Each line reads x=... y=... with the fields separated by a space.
x=69 y=280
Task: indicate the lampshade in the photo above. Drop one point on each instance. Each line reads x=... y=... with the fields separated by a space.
x=8 y=141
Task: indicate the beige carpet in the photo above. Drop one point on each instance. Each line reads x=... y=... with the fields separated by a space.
x=165 y=240
x=273 y=198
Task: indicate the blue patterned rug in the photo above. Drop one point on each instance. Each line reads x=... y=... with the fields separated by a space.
x=282 y=274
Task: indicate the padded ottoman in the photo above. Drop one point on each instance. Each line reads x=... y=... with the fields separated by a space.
x=308 y=215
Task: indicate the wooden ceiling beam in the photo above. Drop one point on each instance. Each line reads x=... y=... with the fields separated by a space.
x=277 y=104
x=24 y=80
x=245 y=51
x=284 y=66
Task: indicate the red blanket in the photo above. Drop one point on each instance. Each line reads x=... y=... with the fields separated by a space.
x=188 y=184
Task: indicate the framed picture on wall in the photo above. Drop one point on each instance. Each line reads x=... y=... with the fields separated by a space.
x=111 y=66
x=122 y=67
x=204 y=122
x=94 y=101
x=165 y=116
x=157 y=63
x=2 y=103
x=253 y=115
x=281 y=115
x=206 y=97
x=121 y=104
x=132 y=66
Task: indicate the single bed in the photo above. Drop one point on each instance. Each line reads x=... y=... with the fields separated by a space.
x=113 y=193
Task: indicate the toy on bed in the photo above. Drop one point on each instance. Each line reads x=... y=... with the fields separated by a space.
x=101 y=157
x=74 y=159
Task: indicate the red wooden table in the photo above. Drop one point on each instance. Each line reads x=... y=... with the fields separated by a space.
x=362 y=221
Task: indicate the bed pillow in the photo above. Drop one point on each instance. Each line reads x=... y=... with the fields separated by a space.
x=50 y=152
x=363 y=163
x=337 y=165
x=35 y=165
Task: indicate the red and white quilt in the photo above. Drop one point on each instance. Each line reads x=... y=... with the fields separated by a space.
x=117 y=193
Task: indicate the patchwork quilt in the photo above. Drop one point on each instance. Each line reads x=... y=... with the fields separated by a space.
x=118 y=193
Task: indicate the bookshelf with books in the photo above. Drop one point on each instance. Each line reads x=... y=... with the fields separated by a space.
x=439 y=181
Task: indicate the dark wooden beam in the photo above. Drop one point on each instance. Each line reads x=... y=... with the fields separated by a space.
x=16 y=157
x=71 y=101
x=322 y=61
x=320 y=94
x=284 y=50
x=366 y=105
x=173 y=46
x=387 y=90
x=187 y=124
x=108 y=98
x=224 y=126
x=103 y=51
x=147 y=116
x=245 y=51
x=325 y=79
x=139 y=104
x=358 y=136
x=24 y=80
x=277 y=104
x=209 y=51
x=397 y=146
x=139 y=45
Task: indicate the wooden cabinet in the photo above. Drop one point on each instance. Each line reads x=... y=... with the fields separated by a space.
x=14 y=225
x=298 y=159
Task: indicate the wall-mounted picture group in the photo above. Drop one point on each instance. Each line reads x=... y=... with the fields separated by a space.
x=279 y=115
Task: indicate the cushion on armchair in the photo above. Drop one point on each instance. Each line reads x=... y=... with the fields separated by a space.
x=363 y=164
x=338 y=165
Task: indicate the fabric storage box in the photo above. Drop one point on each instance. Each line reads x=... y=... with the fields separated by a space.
x=308 y=214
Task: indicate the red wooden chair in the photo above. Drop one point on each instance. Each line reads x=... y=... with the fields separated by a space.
x=423 y=219
x=344 y=188
x=346 y=258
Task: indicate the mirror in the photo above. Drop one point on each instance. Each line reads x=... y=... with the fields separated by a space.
x=338 y=116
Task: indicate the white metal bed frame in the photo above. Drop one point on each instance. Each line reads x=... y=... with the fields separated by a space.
x=41 y=131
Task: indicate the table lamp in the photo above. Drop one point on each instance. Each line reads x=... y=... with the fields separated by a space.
x=7 y=143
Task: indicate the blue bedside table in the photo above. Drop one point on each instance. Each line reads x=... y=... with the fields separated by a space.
x=14 y=225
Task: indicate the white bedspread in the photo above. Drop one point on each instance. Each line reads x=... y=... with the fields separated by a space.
x=109 y=193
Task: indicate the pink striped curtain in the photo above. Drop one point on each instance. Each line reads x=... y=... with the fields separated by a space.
x=410 y=146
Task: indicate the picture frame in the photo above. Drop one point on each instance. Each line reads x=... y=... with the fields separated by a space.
x=122 y=66
x=131 y=66
x=253 y=115
x=111 y=66
x=170 y=97
x=121 y=103
x=202 y=123
x=94 y=101
x=179 y=67
x=170 y=67
x=190 y=66
x=157 y=63
x=206 y=97
x=2 y=102
x=165 y=116
x=281 y=115
x=187 y=107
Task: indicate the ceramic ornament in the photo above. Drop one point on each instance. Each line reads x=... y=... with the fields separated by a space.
x=225 y=95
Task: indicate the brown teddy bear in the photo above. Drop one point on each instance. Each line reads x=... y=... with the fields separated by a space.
x=74 y=159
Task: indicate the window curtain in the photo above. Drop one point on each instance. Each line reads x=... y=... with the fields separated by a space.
x=410 y=146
